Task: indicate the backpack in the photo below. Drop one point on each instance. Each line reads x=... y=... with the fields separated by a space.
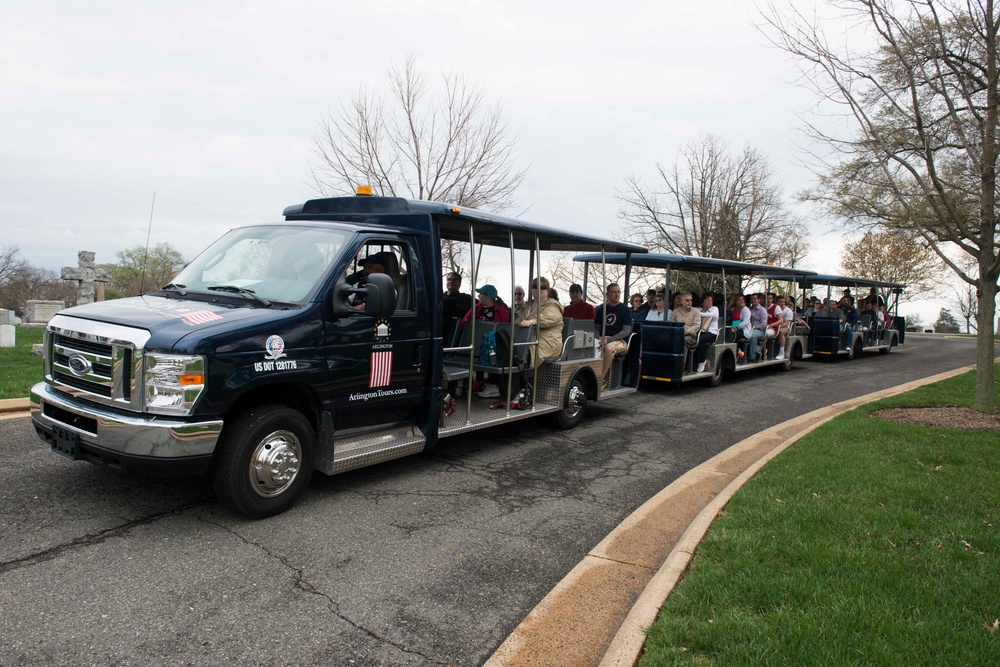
x=496 y=343
x=503 y=346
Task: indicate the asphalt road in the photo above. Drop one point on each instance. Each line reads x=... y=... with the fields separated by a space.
x=428 y=560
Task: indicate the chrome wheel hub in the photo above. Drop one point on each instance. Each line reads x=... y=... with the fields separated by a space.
x=275 y=463
x=575 y=399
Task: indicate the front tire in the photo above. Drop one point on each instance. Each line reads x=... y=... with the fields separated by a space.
x=265 y=460
x=575 y=404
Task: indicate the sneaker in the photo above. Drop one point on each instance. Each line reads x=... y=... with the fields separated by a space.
x=449 y=406
x=848 y=348
x=701 y=366
x=779 y=356
x=605 y=385
x=489 y=391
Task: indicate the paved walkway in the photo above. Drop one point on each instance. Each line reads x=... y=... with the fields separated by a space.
x=596 y=614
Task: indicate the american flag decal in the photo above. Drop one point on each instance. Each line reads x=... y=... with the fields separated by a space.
x=200 y=317
x=381 y=369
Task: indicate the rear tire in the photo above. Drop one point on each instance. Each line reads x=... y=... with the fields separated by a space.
x=264 y=461
x=716 y=378
x=575 y=404
x=787 y=365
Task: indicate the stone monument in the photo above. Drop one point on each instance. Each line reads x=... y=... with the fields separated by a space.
x=7 y=335
x=37 y=313
x=87 y=275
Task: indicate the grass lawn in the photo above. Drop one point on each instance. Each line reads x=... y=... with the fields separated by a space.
x=21 y=369
x=867 y=542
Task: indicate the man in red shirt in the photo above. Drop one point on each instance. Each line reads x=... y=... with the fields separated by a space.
x=578 y=309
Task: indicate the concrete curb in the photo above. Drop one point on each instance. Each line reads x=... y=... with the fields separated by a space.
x=624 y=580
x=12 y=405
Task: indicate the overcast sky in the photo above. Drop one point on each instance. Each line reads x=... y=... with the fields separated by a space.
x=213 y=105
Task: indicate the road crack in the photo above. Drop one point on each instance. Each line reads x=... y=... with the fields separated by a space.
x=304 y=585
x=93 y=538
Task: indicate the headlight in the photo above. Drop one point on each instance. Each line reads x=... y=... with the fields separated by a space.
x=173 y=382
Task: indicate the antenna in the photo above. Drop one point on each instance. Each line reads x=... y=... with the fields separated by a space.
x=145 y=255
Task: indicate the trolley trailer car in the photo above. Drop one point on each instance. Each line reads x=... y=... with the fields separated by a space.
x=667 y=357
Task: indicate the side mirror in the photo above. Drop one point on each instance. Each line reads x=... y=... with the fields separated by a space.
x=379 y=294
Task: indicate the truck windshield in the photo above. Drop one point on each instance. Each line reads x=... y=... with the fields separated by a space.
x=282 y=264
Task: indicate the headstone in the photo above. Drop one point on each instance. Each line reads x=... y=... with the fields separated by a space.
x=38 y=313
x=38 y=349
x=6 y=316
x=86 y=274
x=7 y=335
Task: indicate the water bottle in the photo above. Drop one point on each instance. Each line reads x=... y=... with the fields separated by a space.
x=493 y=356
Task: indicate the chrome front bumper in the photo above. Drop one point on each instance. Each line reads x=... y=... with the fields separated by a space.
x=147 y=437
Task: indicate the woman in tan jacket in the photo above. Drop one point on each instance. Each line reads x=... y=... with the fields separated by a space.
x=547 y=314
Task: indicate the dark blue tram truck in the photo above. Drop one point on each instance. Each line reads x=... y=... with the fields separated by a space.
x=316 y=343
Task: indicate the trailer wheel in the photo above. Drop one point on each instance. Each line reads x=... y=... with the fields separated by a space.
x=264 y=461
x=716 y=378
x=575 y=406
x=787 y=364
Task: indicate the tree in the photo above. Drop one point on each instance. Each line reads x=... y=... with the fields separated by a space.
x=895 y=256
x=21 y=281
x=968 y=306
x=714 y=204
x=11 y=263
x=128 y=278
x=924 y=103
x=452 y=147
x=914 y=321
x=946 y=322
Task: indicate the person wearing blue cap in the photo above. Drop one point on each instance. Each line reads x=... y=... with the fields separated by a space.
x=490 y=307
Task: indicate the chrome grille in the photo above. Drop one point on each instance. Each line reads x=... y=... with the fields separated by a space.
x=95 y=361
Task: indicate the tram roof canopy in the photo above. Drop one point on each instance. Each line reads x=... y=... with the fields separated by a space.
x=846 y=281
x=453 y=223
x=700 y=264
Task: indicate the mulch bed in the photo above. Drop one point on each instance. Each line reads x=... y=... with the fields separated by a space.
x=942 y=417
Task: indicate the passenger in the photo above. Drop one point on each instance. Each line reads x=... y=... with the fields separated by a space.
x=851 y=320
x=490 y=307
x=614 y=318
x=519 y=307
x=758 y=326
x=742 y=329
x=650 y=304
x=578 y=309
x=808 y=309
x=785 y=327
x=792 y=317
x=676 y=302
x=709 y=330
x=659 y=313
x=548 y=317
x=553 y=294
x=635 y=301
x=688 y=316
x=775 y=319
x=455 y=303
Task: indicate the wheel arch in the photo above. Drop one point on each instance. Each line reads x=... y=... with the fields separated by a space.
x=292 y=395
